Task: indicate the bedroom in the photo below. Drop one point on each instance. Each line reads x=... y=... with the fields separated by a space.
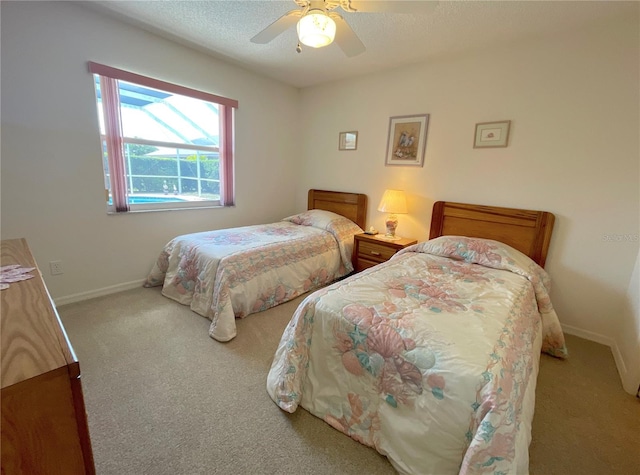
x=577 y=89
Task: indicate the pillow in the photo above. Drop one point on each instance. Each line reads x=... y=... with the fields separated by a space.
x=342 y=229
x=318 y=218
x=486 y=252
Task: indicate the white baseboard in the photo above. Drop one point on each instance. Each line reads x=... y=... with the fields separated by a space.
x=628 y=380
x=97 y=293
x=587 y=335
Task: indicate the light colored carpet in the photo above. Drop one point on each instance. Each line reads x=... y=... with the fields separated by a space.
x=164 y=398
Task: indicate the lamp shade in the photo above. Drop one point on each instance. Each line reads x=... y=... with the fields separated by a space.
x=316 y=29
x=393 y=202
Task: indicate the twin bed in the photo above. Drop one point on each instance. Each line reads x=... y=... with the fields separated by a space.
x=431 y=358
x=231 y=273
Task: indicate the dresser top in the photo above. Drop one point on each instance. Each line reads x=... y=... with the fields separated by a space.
x=32 y=338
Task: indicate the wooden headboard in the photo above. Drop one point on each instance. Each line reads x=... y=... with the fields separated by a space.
x=350 y=205
x=525 y=230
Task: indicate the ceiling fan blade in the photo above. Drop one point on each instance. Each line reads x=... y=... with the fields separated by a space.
x=277 y=27
x=346 y=38
x=389 y=6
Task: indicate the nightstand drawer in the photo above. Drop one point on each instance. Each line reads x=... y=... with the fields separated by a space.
x=375 y=252
x=369 y=250
x=362 y=264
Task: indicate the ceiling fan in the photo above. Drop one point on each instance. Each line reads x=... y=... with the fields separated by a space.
x=318 y=24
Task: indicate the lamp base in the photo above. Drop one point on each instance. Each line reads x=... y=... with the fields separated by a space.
x=391 y=238
x=391 y=223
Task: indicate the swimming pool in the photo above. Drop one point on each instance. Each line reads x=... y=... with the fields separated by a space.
x=141 y=200
x=137 y=200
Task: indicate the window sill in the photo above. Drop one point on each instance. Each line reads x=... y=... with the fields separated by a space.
x=154 y=210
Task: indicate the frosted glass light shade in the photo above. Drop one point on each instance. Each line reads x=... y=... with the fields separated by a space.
x=316 y=29
x=393 y=202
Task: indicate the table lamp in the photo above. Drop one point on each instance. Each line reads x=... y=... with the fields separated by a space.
x=392 y=202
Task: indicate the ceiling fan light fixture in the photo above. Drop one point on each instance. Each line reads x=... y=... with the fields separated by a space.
x=316 y=29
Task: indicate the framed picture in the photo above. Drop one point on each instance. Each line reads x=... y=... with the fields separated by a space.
x=492 y=134
x=407 y=140
x=348 y=140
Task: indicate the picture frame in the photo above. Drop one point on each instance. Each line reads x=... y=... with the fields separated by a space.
x=348 y=140
x=407 y=140
x=492 y=134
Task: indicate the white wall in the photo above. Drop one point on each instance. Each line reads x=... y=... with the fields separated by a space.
x=574 y=150
x=52 y=180
x=628 y=337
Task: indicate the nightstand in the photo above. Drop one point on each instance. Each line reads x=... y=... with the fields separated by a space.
x=370 y=250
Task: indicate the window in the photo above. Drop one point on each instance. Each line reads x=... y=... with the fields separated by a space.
x=164 y=146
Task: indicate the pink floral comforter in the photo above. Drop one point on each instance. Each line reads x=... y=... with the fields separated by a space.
x=229 y=274
x=430 y=358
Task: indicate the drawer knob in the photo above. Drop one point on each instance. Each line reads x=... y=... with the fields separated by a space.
x=373 y=253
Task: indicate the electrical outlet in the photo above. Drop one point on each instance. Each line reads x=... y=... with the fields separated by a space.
x=56 y=267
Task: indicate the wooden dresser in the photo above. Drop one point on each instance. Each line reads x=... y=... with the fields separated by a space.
x=44 y=423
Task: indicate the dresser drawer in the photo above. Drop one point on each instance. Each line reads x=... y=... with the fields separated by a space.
x=375 y=252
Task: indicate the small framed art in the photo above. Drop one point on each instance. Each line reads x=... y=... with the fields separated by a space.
x=407 y=140
x=492 y=134
x=348 y=140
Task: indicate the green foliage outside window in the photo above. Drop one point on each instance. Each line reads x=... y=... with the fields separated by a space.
x=150 y=174
x=167 y=167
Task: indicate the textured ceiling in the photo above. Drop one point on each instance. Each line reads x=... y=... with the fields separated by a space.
x=224 y=28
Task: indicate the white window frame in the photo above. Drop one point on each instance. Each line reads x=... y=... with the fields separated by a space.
x=226 y=108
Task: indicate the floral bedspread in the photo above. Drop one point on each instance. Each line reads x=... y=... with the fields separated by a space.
x=430 y=358
x=231 y=273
